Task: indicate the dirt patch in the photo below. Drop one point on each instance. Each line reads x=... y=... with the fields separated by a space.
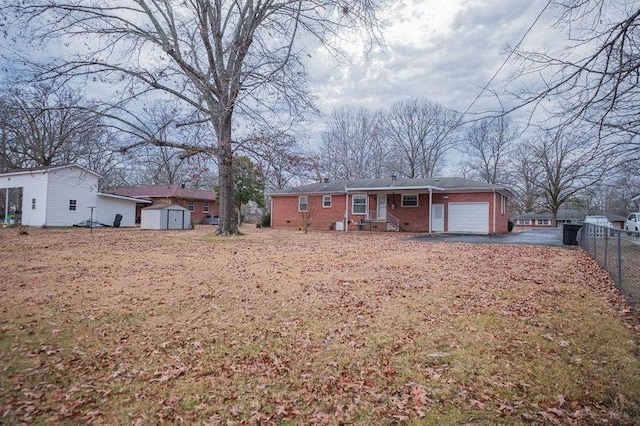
x=128 y=326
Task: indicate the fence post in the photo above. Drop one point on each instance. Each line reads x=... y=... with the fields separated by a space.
x=606 y=250
x=620 y=261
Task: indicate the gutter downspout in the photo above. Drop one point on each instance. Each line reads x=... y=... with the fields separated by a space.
x=430 y=209
x=346 y=209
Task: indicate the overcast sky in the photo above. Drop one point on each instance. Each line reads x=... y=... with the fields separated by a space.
x=443 y=50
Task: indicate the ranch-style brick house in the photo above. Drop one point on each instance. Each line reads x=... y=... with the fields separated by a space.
x=438 y=205
x=200 y=202
x=545 y=219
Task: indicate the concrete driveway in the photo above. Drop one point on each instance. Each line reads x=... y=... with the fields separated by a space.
x=539 y=237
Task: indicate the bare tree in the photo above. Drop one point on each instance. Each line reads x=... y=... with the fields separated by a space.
x=595 y=79
x=487 y=146
x=522 y=173
x=162 y=164
x=217 y=57
x=421 y=133
x=280 y=158
x=614 y=193
x=568 y=164
x=44 y=126
x=352 y=146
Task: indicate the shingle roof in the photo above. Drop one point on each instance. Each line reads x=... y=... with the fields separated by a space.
x=165 y=191
x=615 y=217
x=444 y=183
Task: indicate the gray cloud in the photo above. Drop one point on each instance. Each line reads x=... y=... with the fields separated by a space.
x=447 y=64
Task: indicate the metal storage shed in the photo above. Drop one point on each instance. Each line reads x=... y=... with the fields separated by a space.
x=165 y=217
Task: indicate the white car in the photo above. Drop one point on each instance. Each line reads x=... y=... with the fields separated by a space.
x=632 y=224
x=602 y=224
x=598 y=220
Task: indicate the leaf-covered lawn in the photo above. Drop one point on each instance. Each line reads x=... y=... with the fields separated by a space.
x=129 y=326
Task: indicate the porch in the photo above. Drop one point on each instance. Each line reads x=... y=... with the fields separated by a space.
x=372 y=222
x=406 y=210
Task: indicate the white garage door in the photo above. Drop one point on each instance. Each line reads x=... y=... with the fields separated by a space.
x=470 y=218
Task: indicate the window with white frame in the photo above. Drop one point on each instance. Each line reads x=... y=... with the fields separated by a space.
x=191 y=205
x=503 y=204
x=303 y=203
x=409 y=200
x=72 y=205
x=523 y=222
x=33 y=204
x=543 y=222
x=205 y=207
x=326 y=201
x=359 y=204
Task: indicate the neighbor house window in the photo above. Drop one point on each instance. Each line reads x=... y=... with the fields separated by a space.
x=72 y=204
x=205 y=206
x=409 y=201
x=33 y=204
x=191 y=204
x=326 y=201
x=543 y=222
x=359 y=204
x=303 y=203
x=523 y=221
x=503 y=204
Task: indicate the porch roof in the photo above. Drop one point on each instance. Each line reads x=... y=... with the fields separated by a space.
x=445 y=184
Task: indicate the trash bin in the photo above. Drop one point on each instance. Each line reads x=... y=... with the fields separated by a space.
x=361 y=225
x=570 y=234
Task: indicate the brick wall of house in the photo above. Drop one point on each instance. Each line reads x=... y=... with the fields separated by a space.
x=285 y=213
x=412 y=219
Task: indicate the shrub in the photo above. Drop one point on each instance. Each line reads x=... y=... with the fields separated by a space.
x=510 y=226
x=266 y=220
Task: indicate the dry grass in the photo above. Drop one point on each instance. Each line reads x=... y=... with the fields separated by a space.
x=128 y=326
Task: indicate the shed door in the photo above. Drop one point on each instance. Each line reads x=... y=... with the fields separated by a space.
x=175 y=219
x=470 y=218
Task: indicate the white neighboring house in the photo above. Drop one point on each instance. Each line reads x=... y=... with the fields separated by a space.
x=64 y=195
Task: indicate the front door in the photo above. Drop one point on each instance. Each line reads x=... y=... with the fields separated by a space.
x=437 y=217
x=382 y=207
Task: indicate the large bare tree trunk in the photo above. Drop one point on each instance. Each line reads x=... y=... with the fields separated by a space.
x=227 y=225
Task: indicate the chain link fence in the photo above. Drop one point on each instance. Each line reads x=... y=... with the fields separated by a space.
x=617 y=252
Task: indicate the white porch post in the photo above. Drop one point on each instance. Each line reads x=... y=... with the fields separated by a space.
x=430 y=209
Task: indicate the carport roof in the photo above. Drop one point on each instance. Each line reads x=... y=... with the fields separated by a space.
x=122 y=197
x=437 y=184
